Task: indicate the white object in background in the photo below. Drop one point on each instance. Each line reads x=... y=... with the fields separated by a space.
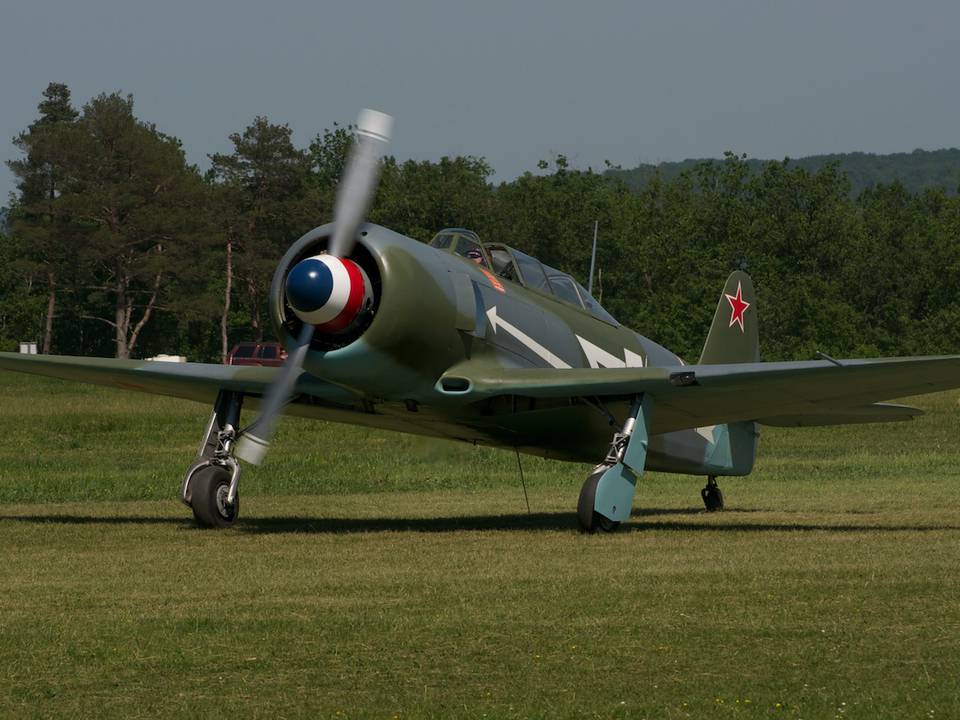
x=167 y=358
x=28 y=348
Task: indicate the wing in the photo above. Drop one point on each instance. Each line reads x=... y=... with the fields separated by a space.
x=793 y=393
x=778 y=393
x=192 y=381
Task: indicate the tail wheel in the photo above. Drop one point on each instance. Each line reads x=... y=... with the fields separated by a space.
x=208 y=497
x=590 y=520
x=712 y=495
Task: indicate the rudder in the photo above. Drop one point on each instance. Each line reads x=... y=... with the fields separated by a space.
x=733 y=336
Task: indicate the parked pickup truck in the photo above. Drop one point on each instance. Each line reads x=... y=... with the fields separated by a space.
x=266 y=354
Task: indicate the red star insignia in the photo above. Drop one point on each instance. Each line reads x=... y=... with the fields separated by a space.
x=738 y=306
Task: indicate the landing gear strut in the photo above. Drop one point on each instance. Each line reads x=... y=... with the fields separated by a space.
x=607 y=494
x=211 y=484
x=712 y=495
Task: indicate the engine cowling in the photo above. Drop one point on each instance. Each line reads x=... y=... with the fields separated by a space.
x=404 y=335
x=339 y=296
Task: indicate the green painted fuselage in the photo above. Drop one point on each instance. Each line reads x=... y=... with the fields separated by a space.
x=440 y=318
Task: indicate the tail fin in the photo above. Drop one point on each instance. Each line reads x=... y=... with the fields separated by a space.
x=733 y=336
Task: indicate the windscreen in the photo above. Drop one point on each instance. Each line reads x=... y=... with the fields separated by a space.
x=442 y=241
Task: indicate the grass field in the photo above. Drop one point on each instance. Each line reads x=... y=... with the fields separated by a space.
x=376 y=575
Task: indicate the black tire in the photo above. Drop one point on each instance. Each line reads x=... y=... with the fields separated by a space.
x=590 y=520
x=208 y=493
x=712 y=498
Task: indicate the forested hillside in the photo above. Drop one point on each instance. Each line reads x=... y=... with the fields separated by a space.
x=118 y=246
x=916 y=171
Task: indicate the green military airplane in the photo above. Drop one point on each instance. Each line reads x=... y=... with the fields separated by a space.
x=479 y=342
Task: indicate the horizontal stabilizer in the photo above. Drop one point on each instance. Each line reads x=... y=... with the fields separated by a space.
x=876 y=413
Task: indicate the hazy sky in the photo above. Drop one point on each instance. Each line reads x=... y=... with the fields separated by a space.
x=510 y=81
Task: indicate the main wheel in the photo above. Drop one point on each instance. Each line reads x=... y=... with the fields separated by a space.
x=208 y=497
x=712 y=497
x=589 y=519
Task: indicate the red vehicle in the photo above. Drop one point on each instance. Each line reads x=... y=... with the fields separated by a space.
x=266 y=354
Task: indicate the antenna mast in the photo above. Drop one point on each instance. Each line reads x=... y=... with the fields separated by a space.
x=593 y=257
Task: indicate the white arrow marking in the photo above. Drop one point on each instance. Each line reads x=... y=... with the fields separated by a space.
x=598 y=357
x=633 y=360
x=525 y=339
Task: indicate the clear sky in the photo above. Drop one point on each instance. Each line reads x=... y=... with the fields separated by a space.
x=513 y=82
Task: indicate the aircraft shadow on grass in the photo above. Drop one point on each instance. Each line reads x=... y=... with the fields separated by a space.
x=466 y=523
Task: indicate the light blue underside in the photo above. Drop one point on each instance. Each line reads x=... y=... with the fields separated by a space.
x=615 y=490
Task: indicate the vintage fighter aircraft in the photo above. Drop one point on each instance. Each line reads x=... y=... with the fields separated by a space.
x=479 y=342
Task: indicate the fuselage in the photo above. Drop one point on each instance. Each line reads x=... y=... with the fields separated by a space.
x=437 y=311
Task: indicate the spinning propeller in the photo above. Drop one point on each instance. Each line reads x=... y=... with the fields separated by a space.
x=328 y=291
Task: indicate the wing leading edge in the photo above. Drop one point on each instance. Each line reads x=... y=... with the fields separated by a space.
x=815 y=392
x=191 y=381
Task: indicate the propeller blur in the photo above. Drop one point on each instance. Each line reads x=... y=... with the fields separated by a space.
x=327 y=292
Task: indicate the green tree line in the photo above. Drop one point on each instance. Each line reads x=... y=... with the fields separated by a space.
x=116 y=245
x=916 y=171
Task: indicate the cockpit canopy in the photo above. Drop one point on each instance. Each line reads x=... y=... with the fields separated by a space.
x=518 y=267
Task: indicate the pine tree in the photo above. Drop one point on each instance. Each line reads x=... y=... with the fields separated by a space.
x=141 y=207
x=263 y=187
x=46 y=233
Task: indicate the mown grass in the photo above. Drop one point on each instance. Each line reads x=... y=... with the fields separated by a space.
x=377 y=575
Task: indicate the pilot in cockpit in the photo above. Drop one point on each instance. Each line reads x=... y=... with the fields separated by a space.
x=471 y=251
